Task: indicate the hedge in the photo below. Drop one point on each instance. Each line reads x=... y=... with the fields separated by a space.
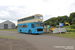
x=72 y=26
x=73 y=30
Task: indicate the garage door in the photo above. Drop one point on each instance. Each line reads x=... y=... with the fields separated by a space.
x=5 y=26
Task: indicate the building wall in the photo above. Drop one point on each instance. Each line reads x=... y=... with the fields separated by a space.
x=9 y=25
x=1 y=26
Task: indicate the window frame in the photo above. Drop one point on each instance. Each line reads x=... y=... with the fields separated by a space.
x=32 y=26
x=24 y=26
x=28 y=18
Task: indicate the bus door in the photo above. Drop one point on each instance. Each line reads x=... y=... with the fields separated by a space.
x=32 y=27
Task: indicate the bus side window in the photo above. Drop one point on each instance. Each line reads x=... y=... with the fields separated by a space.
x=24 y=26
x=18 y=26
x=32 y=25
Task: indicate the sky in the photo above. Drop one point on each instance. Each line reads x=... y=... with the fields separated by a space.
x=15 y=9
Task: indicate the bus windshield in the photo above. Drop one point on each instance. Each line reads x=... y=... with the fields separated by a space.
x=39 y=17
x=39 y=24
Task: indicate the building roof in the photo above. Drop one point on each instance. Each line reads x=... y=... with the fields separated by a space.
x=7 y=22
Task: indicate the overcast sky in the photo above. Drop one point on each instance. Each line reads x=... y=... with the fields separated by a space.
x=15 y=9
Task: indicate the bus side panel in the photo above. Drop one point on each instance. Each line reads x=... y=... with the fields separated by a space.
x=29 y=27
x=26 y=30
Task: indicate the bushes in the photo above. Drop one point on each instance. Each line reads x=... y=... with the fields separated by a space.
x=71 y=30
x=72 y=26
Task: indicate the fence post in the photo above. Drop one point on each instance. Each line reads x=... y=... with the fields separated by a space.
x=59 y=31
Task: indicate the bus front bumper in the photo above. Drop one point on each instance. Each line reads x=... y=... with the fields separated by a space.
x=38 y=32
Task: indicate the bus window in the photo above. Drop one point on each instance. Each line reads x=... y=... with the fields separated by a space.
x=18 y=26
x=21 y=26
x=32 y=17
x=39 y=17
x=32 y=25
x=24 y=26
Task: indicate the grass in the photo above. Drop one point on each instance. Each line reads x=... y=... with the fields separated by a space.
x=9 y=37
x=68 y=28
x=8 y=29
x=69 y=35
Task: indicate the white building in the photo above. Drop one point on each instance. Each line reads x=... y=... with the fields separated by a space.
x=7 y=25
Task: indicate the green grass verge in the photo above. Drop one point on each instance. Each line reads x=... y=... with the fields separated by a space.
x=68 y=28
x=9 y=37
x=8 y=29
x=69 y=35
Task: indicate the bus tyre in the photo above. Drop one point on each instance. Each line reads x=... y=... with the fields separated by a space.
x=30 y=32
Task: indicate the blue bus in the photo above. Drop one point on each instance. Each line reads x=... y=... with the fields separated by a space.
x=32 y=24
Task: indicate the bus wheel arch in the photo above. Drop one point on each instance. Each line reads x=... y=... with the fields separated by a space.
x=20 y=30
x=30 y=32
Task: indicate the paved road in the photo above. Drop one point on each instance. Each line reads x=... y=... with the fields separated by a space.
x=44 y=42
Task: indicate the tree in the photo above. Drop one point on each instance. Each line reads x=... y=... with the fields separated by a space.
x=15 y=26
x=56 y=23
x=64 y=18
x=53 y=19
x=73 y=21
x=59 y=18
x=72 y=15
x=45 y=23
x=51 y=23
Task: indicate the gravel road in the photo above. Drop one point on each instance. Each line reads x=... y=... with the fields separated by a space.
x=44 y=42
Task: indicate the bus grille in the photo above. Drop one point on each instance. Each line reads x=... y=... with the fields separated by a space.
x=39 y=29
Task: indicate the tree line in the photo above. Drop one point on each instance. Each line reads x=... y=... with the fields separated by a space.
x=61 y=19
